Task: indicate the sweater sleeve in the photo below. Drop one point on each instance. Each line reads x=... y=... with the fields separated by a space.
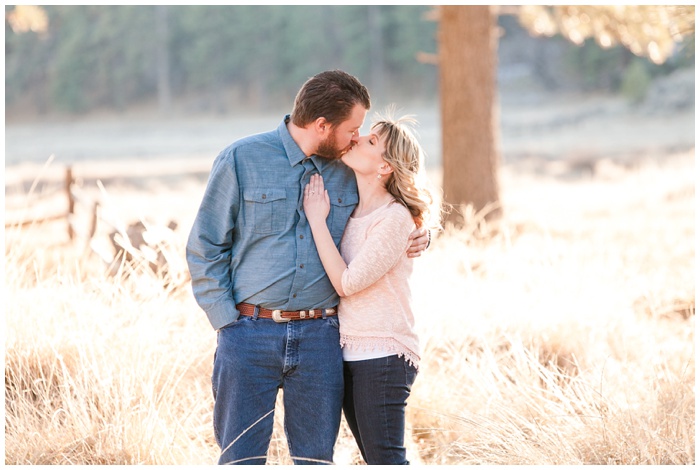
x=386 y=242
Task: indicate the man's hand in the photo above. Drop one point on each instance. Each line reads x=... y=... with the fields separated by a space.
x=419 y=242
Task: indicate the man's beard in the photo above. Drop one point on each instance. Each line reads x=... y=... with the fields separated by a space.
x=329 y=148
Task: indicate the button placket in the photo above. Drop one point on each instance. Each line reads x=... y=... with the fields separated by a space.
x=303 y=232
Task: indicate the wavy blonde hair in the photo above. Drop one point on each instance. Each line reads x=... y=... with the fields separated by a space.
x=408 y=183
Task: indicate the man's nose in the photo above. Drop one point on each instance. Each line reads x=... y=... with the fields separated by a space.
x=355 y=137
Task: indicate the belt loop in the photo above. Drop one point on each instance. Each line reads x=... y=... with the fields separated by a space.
x=323 y=313
x=256 y=310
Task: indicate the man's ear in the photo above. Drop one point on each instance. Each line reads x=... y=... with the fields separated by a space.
x=322 y=126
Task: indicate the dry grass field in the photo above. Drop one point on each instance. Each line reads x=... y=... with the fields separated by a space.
x=562 y=335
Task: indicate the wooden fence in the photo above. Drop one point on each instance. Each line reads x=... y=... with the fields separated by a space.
x=65 y=199
x=73 y=196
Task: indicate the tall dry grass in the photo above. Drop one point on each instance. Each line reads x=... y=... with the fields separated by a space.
x=562 y=335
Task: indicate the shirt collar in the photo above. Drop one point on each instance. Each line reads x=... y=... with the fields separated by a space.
x=294 y=153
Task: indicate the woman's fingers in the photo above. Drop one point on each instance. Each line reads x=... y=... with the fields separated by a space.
x=316 y=185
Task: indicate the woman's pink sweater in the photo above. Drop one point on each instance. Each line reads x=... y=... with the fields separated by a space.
x=376 y=311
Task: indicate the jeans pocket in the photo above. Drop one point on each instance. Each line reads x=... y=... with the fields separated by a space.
x=411 y=373
x=333 y=321
x=234 y=324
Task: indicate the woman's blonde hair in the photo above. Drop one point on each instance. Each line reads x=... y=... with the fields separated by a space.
x=408 y=183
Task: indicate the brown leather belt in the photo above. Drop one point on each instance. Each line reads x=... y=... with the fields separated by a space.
x=282 y=316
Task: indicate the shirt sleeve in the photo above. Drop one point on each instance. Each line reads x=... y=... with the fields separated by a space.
x=210 y=243
x=387 y=241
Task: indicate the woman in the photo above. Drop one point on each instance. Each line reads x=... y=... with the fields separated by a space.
x=371 y=274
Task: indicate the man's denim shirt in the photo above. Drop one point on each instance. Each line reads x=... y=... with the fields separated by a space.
x=251 y=242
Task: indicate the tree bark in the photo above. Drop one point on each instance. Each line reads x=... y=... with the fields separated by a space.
x=470 y=155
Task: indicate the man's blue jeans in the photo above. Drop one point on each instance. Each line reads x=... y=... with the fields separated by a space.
x=254 y=358
x=376 y=391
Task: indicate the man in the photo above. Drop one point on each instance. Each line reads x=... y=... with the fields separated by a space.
x=257 y=275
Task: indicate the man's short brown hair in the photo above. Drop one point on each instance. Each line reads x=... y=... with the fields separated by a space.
x=331 y=94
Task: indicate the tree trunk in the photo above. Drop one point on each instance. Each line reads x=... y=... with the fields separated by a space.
x=467 y=59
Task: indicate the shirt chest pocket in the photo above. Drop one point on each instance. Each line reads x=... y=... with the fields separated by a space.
x=266 y=209
x=342 y=205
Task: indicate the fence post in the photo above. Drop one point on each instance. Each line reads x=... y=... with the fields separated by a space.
x=71 y=202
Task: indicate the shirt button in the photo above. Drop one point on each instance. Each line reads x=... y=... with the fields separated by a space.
x=301 y=236
x=301 y=266
x=264 y=196
x=340 y=200
x=294 y=296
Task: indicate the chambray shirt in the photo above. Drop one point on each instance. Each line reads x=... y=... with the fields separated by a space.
x=251 y=242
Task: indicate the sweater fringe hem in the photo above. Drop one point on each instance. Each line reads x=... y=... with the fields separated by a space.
x=387 y=344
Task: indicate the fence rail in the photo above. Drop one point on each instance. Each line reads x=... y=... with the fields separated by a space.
x=143 y=246
x=73 y=196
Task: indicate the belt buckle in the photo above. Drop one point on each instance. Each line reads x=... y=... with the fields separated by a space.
x=277 y=316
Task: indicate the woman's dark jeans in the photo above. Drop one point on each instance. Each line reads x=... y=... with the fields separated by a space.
x=376 y=391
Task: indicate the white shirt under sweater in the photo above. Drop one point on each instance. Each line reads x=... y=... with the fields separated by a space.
x=376 y=317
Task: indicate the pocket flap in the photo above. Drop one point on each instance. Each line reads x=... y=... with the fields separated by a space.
x=343 y=198
x=263 y=195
